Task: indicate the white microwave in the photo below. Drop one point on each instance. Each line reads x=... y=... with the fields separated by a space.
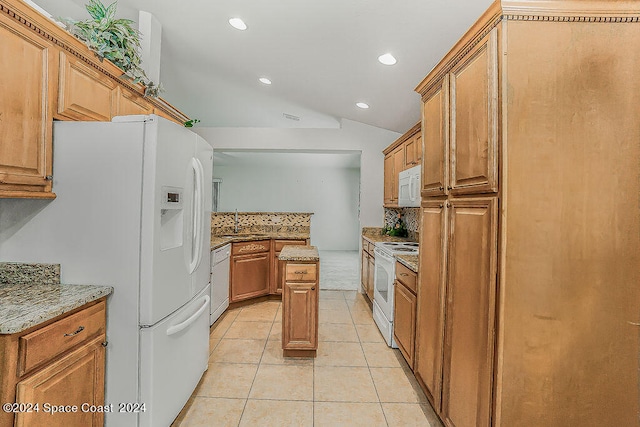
x=409 y=191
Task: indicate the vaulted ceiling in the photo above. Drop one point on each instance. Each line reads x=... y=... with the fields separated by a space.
x=321 y=56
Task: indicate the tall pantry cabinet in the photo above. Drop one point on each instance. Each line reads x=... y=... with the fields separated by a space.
x=529 y=296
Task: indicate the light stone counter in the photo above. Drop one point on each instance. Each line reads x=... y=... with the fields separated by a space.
x=31 y=294
x=299 y=253
x=410 y=261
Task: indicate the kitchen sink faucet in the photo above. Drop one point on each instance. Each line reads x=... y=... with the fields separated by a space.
x=236 y=227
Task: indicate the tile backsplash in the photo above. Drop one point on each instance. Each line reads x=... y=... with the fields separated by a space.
x=224 y=222
x=410 y=216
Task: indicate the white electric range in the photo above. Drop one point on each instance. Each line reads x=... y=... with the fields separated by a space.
x=384 y=278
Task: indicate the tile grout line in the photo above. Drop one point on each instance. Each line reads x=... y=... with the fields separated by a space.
x=369 y=369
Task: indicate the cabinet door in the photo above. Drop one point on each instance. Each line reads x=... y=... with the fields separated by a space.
x=430 y=301
x=27 y=67
x=410 y=152
x=84 y=93
x=388 y=179
x=364 y=271
x=277 y=266
x=474 y=119
x=418 y=148
x=398 y=166
x=249 y=276
x=470 y=313
x=129 y=103
x=404 y=321
x=371 y=277
x=435 y=134
x=73 y=380
x=300 y=302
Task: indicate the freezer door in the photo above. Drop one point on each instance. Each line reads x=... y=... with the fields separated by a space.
x=173 y=357
x=170 y=176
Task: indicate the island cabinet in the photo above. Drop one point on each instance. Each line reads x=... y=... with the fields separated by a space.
x=47 y=74
x=404 y=309
x=529 y=308
x=277 y=267
x=300 y=300
x=59 y=363
x=250 y=268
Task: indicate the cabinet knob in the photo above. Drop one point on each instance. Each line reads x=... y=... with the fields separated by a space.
x=313 y=289
x=440 y=188
x=105 y=343
x=449 y=187
x=49 y=177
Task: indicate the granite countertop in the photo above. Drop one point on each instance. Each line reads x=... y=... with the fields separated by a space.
x=375 y=234
x=25 y=305
x=409 y=261
x=219 y=241
x=299 y=253
x=31 y=294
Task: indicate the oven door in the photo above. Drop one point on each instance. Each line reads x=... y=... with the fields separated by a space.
x=383 y=279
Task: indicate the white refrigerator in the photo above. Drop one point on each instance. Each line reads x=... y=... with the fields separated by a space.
x=133 y=211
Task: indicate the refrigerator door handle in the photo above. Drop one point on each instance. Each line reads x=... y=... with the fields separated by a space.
x=183 y=325
x=196 y=248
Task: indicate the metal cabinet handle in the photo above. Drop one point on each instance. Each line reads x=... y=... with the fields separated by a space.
x=300 y=272
x=80 y=329
x=403 y=274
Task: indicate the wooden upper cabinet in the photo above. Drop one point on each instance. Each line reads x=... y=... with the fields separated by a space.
x=470 y=313
x=430 y=300
x=84 y=93
x=413 y=151
x=128 y=103
x=388 y=179
x=27 y=67
x=474 y=119
x=435 y=132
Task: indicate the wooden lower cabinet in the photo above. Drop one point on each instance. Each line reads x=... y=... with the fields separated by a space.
x=277 y=266
x=75 y=380
x=300 y=309
x=404 y=318
x=44 y=366
x=367 y=269
x=250 y=268
x=456 y=308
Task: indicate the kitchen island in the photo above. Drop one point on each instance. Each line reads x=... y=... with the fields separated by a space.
x=300 y=293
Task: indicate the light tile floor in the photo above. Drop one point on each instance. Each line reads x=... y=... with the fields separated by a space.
x=340 y=270
x=355 y=380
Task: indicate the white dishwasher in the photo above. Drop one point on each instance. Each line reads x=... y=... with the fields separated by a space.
x=219 y=281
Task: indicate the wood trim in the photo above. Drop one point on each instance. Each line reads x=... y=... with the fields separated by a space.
x=572 y=9
x=483 y=26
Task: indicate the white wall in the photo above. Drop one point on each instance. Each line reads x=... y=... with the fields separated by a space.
x=369 y=140
x=331 y=193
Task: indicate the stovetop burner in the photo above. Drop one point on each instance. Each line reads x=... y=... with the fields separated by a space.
x=398 y=247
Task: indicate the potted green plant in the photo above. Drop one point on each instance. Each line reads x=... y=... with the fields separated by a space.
x=114 y=39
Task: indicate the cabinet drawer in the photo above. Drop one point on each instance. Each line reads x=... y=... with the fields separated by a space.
x=408 y=277
x=279 y=244
x=50 y=341
x=300 y=272
x=251 y=247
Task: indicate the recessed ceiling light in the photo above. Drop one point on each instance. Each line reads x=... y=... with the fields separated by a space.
x=238 y=23
x=264 y=80
x=387 y=59
x=362 y=105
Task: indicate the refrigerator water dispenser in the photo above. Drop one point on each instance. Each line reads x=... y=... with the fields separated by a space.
x=171 y=218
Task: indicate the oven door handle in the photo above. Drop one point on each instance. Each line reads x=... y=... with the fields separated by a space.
x=382 y=255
